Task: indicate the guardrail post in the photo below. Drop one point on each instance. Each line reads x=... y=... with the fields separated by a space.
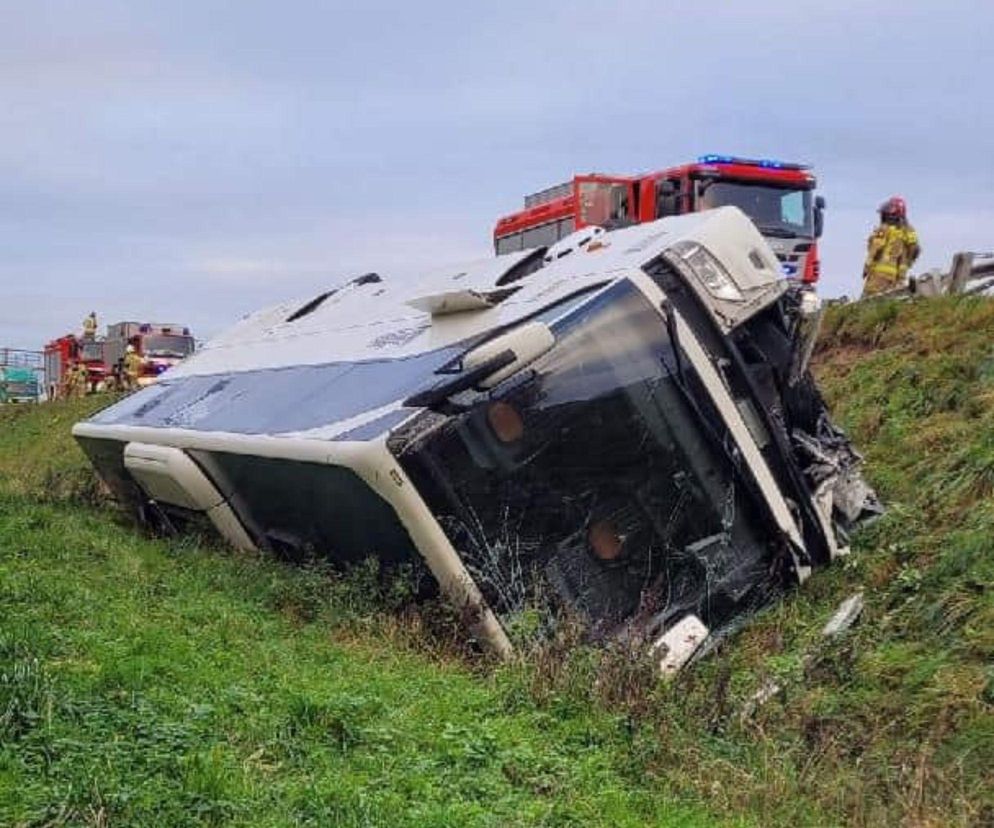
x=960 y=271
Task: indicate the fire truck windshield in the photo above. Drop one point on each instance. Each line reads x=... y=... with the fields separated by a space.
x=777 y=211
x=92 y=350
x=164 y=345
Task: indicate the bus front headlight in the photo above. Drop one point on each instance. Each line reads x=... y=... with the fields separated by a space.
x=709 y=270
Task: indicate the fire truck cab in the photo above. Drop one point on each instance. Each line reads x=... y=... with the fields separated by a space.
x=778 y=196
x=160 y=345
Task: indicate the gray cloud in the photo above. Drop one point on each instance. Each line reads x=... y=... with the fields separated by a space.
x=195 y=160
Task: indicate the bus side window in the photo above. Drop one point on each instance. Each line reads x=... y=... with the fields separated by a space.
x=668 y=197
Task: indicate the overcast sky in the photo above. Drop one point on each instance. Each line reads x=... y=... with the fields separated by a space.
x=192 y=161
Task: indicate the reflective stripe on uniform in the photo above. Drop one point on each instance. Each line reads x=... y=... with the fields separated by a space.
x=890 y=251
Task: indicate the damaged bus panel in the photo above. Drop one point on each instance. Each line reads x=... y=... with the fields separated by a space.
x=624 y=431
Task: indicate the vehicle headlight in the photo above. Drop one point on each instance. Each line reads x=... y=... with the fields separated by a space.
x=708 y=269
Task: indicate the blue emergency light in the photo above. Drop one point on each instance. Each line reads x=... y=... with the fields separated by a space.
x=768 y=163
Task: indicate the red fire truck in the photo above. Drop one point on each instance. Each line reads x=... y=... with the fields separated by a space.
x=62 y=353
x=778 y=196
x=160 y=345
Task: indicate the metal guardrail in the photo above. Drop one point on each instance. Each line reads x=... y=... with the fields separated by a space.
x=969 y=273
x=20 y=358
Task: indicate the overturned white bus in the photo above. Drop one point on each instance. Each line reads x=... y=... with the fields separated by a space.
x=623 y=425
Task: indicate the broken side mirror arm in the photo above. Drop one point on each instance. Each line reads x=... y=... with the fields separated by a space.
x=438 y=394
x=489 y=363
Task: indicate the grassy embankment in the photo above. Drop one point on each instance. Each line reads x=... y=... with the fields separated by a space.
x=152 y=682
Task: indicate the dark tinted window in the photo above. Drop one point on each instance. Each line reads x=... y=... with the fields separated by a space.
x=299 y=508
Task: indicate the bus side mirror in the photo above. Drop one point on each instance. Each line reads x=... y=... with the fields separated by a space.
x=819 y=216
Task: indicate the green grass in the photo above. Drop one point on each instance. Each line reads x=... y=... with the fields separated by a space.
x=151 y=682
x=146 y=682
x=154 y=684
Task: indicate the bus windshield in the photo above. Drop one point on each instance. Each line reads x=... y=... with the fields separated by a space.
x=615 y=489
x=777 y=211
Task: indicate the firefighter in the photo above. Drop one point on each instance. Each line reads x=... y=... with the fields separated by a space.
x=132 y=368
x=66 y=383
x=69 y=382
x=77 y=381
x=90 y=326
x=83 y=379
x=116 y=382
x=891 y=249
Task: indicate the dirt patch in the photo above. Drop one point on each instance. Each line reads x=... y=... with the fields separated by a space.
x=840 y=354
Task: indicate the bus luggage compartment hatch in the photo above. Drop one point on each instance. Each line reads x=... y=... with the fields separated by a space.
x=168 y=475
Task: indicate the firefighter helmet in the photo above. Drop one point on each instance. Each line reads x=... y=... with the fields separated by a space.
x=895 y=207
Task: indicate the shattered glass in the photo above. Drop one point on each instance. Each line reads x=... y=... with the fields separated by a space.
x=610 y=490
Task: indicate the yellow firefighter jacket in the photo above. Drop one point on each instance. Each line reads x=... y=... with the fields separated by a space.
x=132 y=365
x=78 y=380
x=890 y=251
